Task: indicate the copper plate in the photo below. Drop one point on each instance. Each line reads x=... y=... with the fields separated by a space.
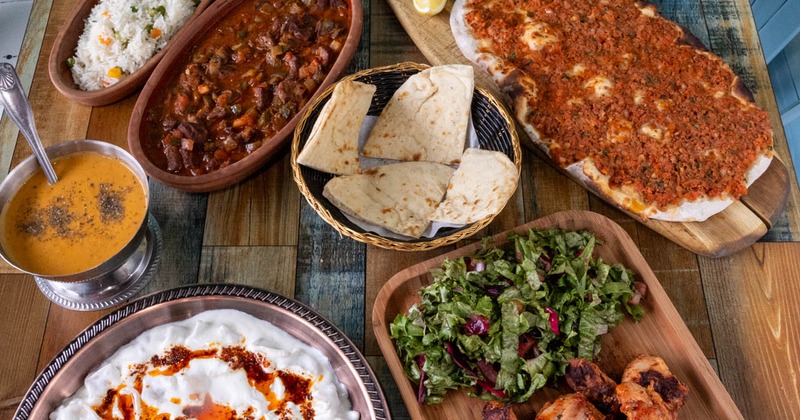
x=65 y=374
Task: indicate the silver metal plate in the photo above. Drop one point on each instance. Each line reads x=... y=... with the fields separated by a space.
x=113 y=288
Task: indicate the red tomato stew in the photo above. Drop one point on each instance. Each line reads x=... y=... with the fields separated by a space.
x=243 y=82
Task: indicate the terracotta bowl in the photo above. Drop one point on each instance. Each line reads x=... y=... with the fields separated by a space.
x=173 y=61
x=64 y=47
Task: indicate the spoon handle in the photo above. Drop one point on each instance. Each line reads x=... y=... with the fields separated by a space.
x=13 y=98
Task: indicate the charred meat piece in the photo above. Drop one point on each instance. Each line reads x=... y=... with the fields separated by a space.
x=586 y=378
x=495 y=410
x=262 y=96
x=651 y=372
x=638 y=403
x=194 y=132
x=191 y=77
x=174 y=158
x=649 y=390
x=570 y=406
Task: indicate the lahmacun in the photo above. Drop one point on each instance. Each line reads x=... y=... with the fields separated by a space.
x=625 y=100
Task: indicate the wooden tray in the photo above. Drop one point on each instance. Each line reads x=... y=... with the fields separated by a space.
x=661 y=331
x=737 y=227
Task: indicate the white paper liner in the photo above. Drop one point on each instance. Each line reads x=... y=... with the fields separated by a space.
x=368 y=162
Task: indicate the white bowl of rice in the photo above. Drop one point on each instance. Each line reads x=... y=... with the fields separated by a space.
x=107 y=49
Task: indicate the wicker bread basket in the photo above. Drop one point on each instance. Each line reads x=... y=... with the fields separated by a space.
x=493 y=126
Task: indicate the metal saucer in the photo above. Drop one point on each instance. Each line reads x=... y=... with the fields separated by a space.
x=115 y=287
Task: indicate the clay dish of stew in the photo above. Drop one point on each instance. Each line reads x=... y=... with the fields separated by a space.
x=64 y=48
x=187 y=128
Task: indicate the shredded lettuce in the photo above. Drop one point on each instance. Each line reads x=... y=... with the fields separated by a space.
x=546 y=300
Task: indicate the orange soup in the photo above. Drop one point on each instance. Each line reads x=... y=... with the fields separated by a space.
x=90 y=214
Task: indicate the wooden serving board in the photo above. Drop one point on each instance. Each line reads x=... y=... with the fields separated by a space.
x=661 y=331
x=730 y=231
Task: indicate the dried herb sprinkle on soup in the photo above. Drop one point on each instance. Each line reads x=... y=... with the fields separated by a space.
x=91 y=213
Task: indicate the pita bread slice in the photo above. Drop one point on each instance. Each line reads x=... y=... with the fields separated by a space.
x=480 y=187
x=399 y=197
x=333 y=143
x=426 y=119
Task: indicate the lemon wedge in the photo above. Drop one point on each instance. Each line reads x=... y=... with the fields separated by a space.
x=429 y=7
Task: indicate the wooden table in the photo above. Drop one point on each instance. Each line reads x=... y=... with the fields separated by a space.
x=743 y=310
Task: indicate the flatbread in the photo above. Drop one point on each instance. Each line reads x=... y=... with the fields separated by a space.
x=333 y=143
x=627 y=102
x=398 y=197
x=480 y=187
x=426 y=119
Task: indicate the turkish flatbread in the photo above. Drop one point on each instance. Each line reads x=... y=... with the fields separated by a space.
x=627 y=102
x=399 y=197
x=333 y=143
x=481 y=186
x=426 y=119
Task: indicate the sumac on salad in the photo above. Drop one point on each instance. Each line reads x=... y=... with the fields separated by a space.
x=243 y=82
x=503 y=323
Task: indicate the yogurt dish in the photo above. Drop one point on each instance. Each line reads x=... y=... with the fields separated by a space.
x=220 y=361
x=208 y=351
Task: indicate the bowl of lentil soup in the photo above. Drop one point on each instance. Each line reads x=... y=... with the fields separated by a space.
x=227 y=96
x=81 y=238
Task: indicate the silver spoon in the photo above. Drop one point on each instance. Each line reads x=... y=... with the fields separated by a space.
x=13 y=98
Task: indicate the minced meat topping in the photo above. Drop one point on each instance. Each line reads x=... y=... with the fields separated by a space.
x=623 y=88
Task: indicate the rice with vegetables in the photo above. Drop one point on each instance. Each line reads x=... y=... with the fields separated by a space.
x=120 y=36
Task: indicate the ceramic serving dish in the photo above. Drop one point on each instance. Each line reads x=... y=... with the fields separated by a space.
x=172 y=62
x=65 y=374
x=64 y=47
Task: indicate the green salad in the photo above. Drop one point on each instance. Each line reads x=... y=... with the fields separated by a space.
x=505 y=322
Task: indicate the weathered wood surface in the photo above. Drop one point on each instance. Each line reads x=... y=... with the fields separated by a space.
x=742 y=309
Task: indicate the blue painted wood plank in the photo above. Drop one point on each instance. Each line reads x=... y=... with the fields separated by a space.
x=763 y=10
x=793 y=137
x=782 y=83
x=791 y=115
x=780 y=29
x=792 y=54
x=331 y=274
x=181 y=217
